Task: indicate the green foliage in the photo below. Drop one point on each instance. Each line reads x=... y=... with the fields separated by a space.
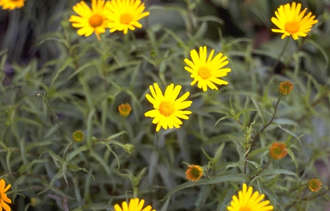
x=229 y=132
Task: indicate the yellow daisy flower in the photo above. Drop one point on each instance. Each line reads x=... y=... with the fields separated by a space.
x=206 y=71
x=291 y=21
x=194 y=173
x=11 y=4
x=90 y=20
x=167 y=109
x=134 y=205
x=3 y=196
x=247 y=201
x=125 y=14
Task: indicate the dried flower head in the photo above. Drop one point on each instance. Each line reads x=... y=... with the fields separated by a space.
x=134 y=205
x=278 y=150
x=194 y=173
x=90 y=19
x=11 y=4
x=3 y=196
x=314 y=185
x=285 y=88
x=207 y=70
x=124 y=109
x=291 y=21
x=78 y=136
x=247 y=201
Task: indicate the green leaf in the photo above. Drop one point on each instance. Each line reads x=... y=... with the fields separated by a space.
x=216 y=180
x=277 y=172
x=282 y=121
x=165 y=205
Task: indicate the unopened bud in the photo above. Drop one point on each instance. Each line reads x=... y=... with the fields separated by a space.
x=285 y=88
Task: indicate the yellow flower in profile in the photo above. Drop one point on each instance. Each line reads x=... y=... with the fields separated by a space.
x=134 y=205
x=167 y=109
x=247 y=201
x=291 y=21
x=314 y=185
x=90 y=20
x=11 y=4
x=124 y=109
x=194 y=173
x=3 y=196
x=206 y=71
x=125 y=14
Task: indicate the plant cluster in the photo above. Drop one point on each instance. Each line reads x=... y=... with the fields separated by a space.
x=144 y=116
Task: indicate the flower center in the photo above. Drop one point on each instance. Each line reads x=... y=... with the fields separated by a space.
x=292 y=27
x=195 y=172
x=126 y=18
x=204 y=73
x=244 y=209
x=278 y=151
x=166 y=108
x=96 y=20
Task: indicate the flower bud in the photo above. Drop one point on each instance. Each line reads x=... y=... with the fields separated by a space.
x=124 y=109
x=285 y=88
x=129 y=148
x=78 y=136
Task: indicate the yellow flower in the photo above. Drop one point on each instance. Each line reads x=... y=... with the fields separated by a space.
x=291 y=21
x=247 y=201
x=194 y=173
x=90 y=20
x=78 y=136
x=314 y=185
x=167 y=109
x=11 y=4
x=3 y=196
x=206 y=71
x=124 y=109
x=285 y=88
x=125 y=14
x=278 y=151
x=134 y=205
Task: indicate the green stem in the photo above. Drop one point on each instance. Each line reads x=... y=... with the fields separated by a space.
x=135 y=192
x=270 y=121
x=53 y=113
x=306 y=199
x=280 y=55
x=257 y=174
x=190 y=17
x=67 y=151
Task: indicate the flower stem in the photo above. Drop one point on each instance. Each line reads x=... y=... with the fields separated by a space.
x=270 y=121
x=306 y=199
x=257 y=174
x=280 y=55
x=53 y=113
